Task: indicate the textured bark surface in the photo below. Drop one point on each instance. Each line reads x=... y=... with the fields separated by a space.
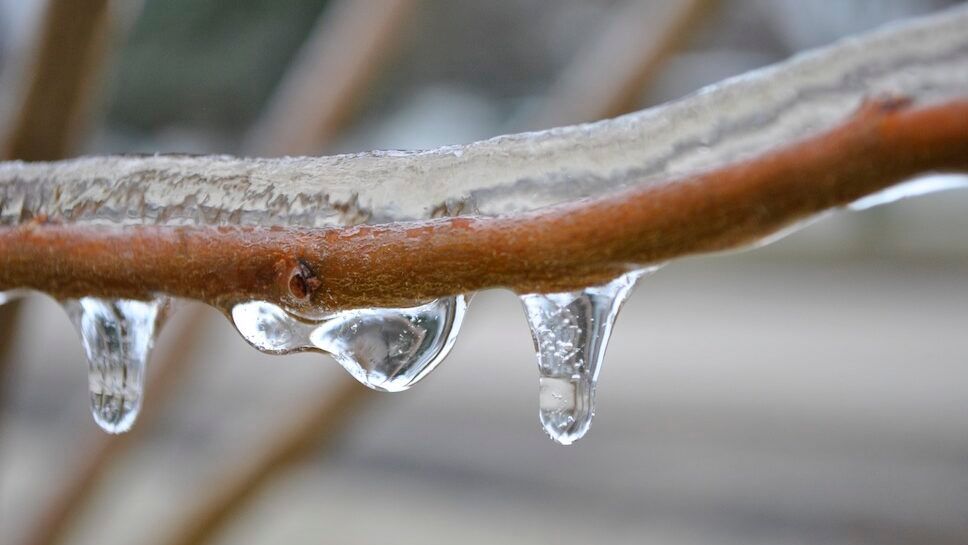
x=554 y=249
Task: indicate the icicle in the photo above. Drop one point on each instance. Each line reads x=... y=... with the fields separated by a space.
x=570 y=332
x=117 y=335
x=385 y=349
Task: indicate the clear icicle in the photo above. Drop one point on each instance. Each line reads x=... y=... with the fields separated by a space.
x=117 y=335
x=385 y=349
x=571 y=332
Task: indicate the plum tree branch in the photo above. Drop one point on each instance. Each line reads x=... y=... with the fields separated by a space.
x=553 y=249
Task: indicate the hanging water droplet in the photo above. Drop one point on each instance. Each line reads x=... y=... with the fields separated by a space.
x=571 y=331
x=388 y=349
x=117 y=335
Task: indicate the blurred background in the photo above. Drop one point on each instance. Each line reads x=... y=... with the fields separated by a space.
x=815 y=391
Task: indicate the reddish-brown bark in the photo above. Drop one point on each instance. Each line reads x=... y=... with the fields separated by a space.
x=555 y=249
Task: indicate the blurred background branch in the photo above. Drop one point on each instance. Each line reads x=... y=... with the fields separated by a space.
x=612 y=71
x=48 y=105
x=60 y=79
x=329 y=78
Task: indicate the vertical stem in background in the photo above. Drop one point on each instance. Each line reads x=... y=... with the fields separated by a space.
x=321 y=92
x=60 y=81
x=609 y=74
x=317 y=428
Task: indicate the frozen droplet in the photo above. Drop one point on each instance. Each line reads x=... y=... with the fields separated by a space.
x=117 y=335
x=387 y=349
x=391 y=350
x=270 y=328
x=571 y=331
x=913 y=188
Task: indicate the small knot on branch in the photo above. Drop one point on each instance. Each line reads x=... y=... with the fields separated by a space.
x=303 y=281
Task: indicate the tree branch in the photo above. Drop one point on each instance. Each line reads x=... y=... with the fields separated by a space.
x=610 y=73
x=555 y=249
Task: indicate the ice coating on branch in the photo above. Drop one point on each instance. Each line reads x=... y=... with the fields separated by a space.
x=117 y=335
x=571 y=332
x=913 y=188
x=924 y=59
x=385 y=349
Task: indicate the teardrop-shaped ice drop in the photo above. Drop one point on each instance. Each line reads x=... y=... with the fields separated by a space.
x=392 y=349
x=571 y=331
x=388 y=349
x=117 y=335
